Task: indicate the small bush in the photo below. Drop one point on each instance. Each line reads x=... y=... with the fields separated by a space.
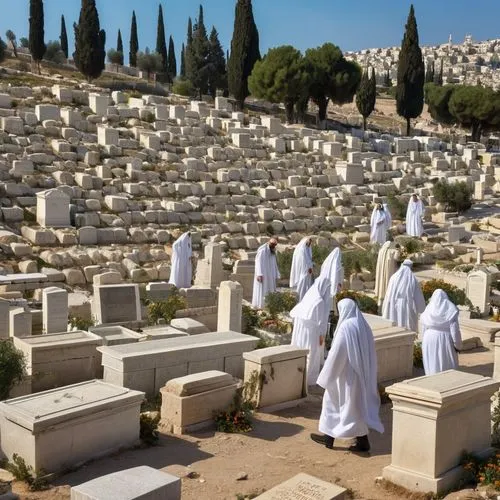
x=149 y=428
x=250 y=320
x=455 y=294
x=409 y=246
x=356 y=260
x=165 y=309
x=280 y=302
x=481 y=471
x=183 y=87
x=81 y=323
x=284 y=260
x=365 y=303
x=319 y=254
x=456 y=197
x=12 y=367
x=396 y=207
x=25 y=473
x=418 y=359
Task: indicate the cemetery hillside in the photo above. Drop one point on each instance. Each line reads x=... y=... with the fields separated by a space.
x=233 y=271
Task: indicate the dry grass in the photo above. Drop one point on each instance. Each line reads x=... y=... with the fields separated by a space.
x=401 y=492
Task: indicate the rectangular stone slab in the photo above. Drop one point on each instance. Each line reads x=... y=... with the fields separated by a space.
x=198 y=383
x=275 y=354
x=144 y=483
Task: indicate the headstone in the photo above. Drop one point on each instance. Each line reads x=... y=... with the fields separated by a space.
x=4 y=319
x=20 y=322
x=52 y=208
x=55 y=310
x=230 y=306
x=478 y=290
x=159 y=291
x=116 y=303
x=305 y=487
x=209 y=271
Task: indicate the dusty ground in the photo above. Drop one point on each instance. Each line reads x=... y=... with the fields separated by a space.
x=278 y=448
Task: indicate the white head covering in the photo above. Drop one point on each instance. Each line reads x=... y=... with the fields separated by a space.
x=301 y=262
x=407 y=262
x=333 y=270
x=388 y=216
x=354 y=330
x=183 y=244
x=319 y=292
x=440 y=311
x=401 y=285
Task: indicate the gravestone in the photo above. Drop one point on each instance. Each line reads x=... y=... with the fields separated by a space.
x=230 y=307
x=20 y=322
x=116 y=303
x=52 y=208
x=209 y=271
x=305 y=487
x=159 y=291
x=478 y=290
x=4 y=319
x=55 y=310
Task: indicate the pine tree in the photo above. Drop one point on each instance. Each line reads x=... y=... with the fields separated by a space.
x=244 y=51
x=183 y=62
x=411 y=74
x=366 y=95
x=90 y=41
x=37 y=34
x=217 y=77
x=199 y=54
x=119 y=47
x=161 y=42
x=64 y=38
x=429 y=74
x=438 y=79
x=172 y=61
x=134 y=42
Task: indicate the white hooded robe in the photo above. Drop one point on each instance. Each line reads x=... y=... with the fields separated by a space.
x=181 y=272
x=310 y=322
x=333 y=270
x=378 y=223
x=351 y=402
x=266 y=266
x=404 y=299
x=414 y=214
x=441 y=334
x=300 y=277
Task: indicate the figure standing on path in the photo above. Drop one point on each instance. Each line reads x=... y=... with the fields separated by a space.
x=181 y=273
x=266 y=273
x=414 y=217
x=379 y=223
x=333 y=269
x=301 y=277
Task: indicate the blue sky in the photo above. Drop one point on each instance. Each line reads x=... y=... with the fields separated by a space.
x=352 y=24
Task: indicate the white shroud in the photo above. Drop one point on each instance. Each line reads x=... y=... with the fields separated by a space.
x=333 y=270
x=266 y=266
x=301 y=277
x=181 y=272
x=404 y=299
x=351 y=402
x=414 y=214
x=378 y=223
x=310 y=322
x=441 y=334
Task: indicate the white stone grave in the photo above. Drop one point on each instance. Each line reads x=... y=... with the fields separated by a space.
x=478 y=290
x=230 y=307
x=52 y=208
x=116 y=303
x=54 y=310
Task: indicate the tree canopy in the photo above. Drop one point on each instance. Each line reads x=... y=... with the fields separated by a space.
x=198 y=69
x=366 y=95
x=119 y=47
x=64 y=38
x=438 y=100
x=150 y=62
x=217 y=76
x=134 y=42
x=161 y=41
x=37 y=33
x=172 y=61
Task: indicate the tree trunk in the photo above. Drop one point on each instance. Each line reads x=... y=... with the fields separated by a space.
x=408 y=127
x=322 y=109
x=289 y=111
x=364 y=123
x=476 y=132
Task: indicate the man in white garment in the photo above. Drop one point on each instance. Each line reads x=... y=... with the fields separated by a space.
x=310 y=322
x=414 y=217
x=379 y=224
x=404 y=299
x=333 y=269
x=388 y=216
x=351 y=402
x=387 y=265
x=301 y=277
x=266 y=273
x=181 y=272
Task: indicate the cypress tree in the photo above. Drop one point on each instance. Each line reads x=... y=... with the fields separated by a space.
x=438 y=79
x=172 y=62
x=90 y=41
x=183 y=62
x=429 y=73
x=36 y=41
x=217 y=77
x=134 y=42
x=161 y=42
x=411 y=74
x=244 y=51
x=119 y=46
x=199 y=56
x=188 y=52
x=64 y=38
x=366 y=95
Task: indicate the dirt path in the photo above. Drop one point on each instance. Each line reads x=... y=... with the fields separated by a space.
x=278 y=448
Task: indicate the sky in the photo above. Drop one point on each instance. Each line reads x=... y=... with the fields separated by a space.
x=352 y=24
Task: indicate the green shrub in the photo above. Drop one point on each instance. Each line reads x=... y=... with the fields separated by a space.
x=12 y=367
x=418 y=360
x=249 y=320
x=456 y=197
x=356 y=260
x=25 y=473
x=409 y=245
x=81 y=323
x=455 y=294
x=396 y=207
x=280 y=302
x=149 y=428
x=183 y=87
x=165 y=309
x=365 y=303
x=284 y=260
x=319 y=254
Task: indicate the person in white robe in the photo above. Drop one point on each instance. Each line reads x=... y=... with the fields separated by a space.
x=351 y=402
x=181 y=272
x=404 y=299
x=266 y=273
x=387 y=265
x=414 y=216
x=388 y=216
x=378 y=223
x=310 y=322
x=333 y=269
x=442 y=339
x=301 y=277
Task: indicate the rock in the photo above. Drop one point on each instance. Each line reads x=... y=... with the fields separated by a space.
x=242 y=476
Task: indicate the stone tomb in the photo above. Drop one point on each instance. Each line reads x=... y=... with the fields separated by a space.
x=283 y=371
x=54 y=310
x=139 y=483
x=478 y=290
x=229 y=312
x=52 y=208
x=57 y=429
x=60 y=359
x=116 y=303
x=305 y=487
x=436 y=418
x=148 y=366
x=189 y=403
